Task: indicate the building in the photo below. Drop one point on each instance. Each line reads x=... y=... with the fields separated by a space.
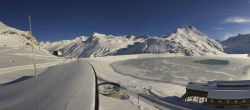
x=219 y=94
x=58 y=53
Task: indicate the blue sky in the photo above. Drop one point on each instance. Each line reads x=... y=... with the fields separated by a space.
x=54 y=20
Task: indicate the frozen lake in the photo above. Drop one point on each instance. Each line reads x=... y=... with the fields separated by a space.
x=181 y=70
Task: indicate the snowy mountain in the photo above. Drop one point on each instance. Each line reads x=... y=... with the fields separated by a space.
x=11 y=37
x=61 y=44
x=238 y=44
x=96 y=45
x=186 y=41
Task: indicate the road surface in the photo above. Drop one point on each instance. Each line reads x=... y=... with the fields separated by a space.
x=63 y=87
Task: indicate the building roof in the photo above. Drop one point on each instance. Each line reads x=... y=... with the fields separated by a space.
x=197 y=86
x=228 y=94
x=236 y=83
x=218 y=89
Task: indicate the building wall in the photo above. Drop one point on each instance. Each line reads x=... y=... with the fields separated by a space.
x=218 y=103
x=57 y=53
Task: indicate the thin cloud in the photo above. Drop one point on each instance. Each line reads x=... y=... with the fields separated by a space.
x=238 y=20
x=219 y=28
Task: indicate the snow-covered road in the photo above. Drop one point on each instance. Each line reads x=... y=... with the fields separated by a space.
x=68 y=86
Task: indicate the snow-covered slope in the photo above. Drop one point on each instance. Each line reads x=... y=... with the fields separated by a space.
x=61 y=44
x=93 y=46
x=11 y=37
x=185 y=41
x=239 y=44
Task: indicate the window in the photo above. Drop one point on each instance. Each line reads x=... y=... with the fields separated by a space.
x=212 y=101
x=243 y=101
x=219 y=101
x=227 y=101
x=236 y=101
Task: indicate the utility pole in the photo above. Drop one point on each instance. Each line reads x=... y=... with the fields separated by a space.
x=34 y=61
x=138 y=101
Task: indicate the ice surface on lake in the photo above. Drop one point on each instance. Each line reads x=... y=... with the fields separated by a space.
x=181 y=70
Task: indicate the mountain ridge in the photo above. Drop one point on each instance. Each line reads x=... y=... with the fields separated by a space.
x=12 y=37
x=187 y=41
x=237 y=44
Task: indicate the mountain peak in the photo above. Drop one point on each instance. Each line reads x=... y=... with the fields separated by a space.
x=98 y=34
x=188 y=28
x=191 y=27
x=194 y=29
x=246 y=34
